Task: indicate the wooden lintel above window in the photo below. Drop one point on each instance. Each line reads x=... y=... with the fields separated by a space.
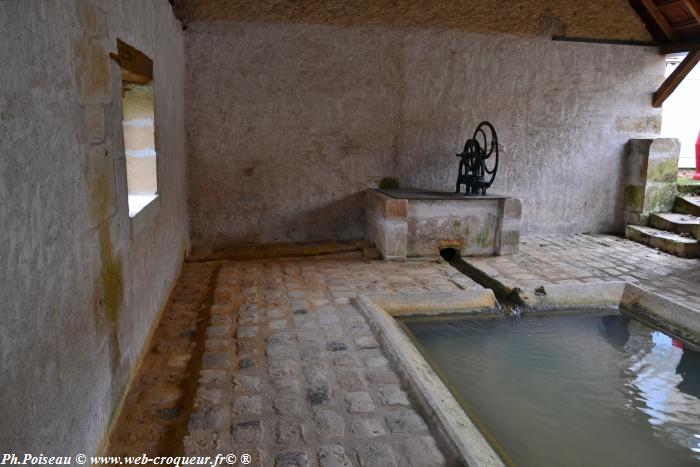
x=136 y=66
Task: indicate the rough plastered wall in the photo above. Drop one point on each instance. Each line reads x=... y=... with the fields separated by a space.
x=80 y=284
x=604 y=19
x=288 y=124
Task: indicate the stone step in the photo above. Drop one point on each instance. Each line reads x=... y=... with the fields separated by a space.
x=666 y=241
x=687 y=205
x=675 y=222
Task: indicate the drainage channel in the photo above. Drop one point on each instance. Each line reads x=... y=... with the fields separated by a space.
x=174 y=442
x=508 y=298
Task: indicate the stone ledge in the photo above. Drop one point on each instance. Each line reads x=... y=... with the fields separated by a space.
x=460 y=434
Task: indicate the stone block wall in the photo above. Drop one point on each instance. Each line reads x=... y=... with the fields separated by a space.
x=509 y=240
x=386 y=224
x=80 y=286
x=652 y=171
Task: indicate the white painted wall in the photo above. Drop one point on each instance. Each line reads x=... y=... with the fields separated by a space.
x=681 y=115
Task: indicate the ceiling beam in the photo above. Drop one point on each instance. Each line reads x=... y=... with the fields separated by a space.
x=689 y=23
x=660 y=20
x=694 y=8
x=678 y=47
x=672 y=82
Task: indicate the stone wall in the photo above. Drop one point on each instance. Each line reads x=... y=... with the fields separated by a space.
x=603 y=19
x=289 y=124
x=652 y=177
x=80 y=285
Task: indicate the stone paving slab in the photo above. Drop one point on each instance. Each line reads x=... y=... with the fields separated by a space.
x=289 y=370
x=586 y=258
x=153 y=408
x=293 y=375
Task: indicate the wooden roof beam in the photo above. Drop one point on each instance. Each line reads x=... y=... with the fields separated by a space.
x=660 y=20
x=694 y=8
x=136 y=66
x=679 y=47
x=689 y=23
x=672 y=82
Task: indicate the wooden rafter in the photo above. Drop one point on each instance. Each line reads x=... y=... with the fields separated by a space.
x=676 y=77
x=660 y=20
x=689 y=23
x=679 y=47
x=694 y=8
x=136 y=66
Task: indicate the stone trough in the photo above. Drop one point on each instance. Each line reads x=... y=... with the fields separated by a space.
x=460 y=433
x=417 y=223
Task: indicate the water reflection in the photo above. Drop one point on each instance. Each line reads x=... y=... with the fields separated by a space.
x=574 y=390
x=664 y=382
x=614 y=329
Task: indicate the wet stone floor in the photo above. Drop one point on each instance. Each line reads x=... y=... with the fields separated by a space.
x=586 y=258
x=282 y=366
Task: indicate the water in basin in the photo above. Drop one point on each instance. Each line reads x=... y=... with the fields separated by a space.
x=572 y=389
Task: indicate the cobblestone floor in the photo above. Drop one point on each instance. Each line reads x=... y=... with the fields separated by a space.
x=290 y=371
x=293 y=375
x=271 y=358
x=581 y=258
x=153 y=418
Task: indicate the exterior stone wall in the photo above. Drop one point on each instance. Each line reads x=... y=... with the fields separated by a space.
x=81 y=285
x=289 y=124
x=604 y=19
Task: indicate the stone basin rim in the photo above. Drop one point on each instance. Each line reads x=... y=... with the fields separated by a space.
x=436 y=195
x=456 y=430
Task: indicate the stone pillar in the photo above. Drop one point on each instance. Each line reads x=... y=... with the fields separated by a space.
x=652 y=172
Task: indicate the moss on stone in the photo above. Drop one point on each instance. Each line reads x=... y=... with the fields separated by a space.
x=484 y=239
x=389 y=183
x=665 y=171
x=111 y=282
x=634 y=197
x=659 y=198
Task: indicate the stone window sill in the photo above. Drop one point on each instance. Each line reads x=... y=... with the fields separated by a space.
x=142 y=211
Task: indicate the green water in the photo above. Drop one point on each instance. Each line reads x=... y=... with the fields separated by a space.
x=572 y=390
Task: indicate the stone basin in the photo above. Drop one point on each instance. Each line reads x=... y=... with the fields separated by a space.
x=420 y=223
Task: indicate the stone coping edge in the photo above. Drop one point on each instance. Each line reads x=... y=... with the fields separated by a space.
x=659 y=311
x=446 y=414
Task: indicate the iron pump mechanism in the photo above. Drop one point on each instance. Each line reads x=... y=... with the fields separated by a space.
x=473 y=171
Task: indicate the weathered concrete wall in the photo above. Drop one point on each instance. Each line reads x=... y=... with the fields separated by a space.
x=288 y=124
x=80 y=289
x=604 y=19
